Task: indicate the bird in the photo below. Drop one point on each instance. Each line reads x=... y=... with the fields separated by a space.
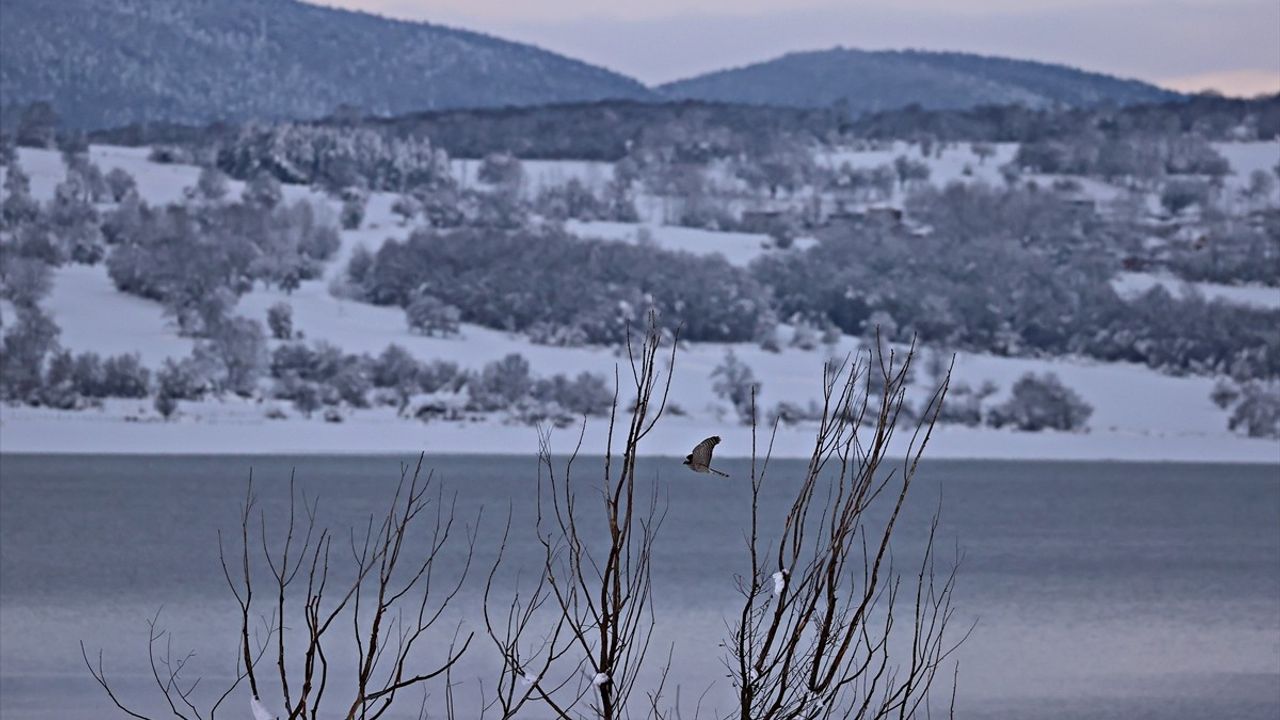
x=700 y=459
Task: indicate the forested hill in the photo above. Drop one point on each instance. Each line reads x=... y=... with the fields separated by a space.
x=103 y=63
x=867 y=81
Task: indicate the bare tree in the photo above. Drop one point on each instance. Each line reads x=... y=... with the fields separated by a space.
x=817 y=635
x=577 y=643
x=392 y=600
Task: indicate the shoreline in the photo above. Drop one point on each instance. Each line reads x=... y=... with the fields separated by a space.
x=88 y=433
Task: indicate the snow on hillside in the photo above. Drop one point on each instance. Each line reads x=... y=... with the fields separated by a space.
x=1139 y=414
x=738 y=248
x=1130 y=284
x=540 y=174
x=948 y=165
x=1245 y=157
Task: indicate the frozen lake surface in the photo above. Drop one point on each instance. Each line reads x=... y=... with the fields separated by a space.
x=1101 y=590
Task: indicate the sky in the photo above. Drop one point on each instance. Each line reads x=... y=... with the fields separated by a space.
x=1232 y=46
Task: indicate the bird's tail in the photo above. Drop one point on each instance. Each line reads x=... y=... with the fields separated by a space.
x=721 y=474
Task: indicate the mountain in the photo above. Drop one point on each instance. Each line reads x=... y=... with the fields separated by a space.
x=112 y=62
x=870 y=81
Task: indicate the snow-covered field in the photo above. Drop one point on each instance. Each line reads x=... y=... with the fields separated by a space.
x=1138 y=414
x=1129 y=284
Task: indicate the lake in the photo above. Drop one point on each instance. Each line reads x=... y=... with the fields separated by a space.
x=1100 y=590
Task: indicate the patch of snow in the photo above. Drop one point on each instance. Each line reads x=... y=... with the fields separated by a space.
x=1131 y=284
x=779 y=581
x=738 y=248
x=1245 y=157
x=94 y=316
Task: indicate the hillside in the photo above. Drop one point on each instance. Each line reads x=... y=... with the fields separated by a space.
x=112 y=62
x=869 y=81
x=1158 y=416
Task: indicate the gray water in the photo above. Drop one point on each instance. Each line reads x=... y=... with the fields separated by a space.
x=1100 y=590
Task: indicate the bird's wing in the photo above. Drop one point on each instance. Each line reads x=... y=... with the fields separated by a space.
x=701 y=454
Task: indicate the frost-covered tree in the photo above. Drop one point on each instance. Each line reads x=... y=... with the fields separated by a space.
x=1179 y=194
x=353 y=208
x=37 y=126
x=1261 y=186
x=166 y=405
x=18 y=206
x=212 y=184
x=264 y=191
x=431 y=316
x=501 y=169
x=982 y=151
x=22 y=356
x=910 y=172
x=280 y=320
x=306 y=398
x=733 y=380
x=407 y=208
x=183 y=379
x=120 y=184
x=398 y=370
x=24 y=281
x=1258 y=410
x=237 y=351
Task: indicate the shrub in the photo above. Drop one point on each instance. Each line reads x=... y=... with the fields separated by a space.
x=964 y=404
x=1224 y=394
x=440 y=376
x=182 y=380
x=170 y=155
x=587 y=394
x=124 y=376
x=166 y=405
x=1041 y=403
x=501 y=384
x=789 y=413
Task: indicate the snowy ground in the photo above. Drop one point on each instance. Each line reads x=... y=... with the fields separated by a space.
x=1130 y=284
x=1139 y=414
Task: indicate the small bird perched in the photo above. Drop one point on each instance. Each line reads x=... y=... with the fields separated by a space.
x=700 y=459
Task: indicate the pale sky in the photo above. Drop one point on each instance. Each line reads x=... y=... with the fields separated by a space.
x=1229 y=45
